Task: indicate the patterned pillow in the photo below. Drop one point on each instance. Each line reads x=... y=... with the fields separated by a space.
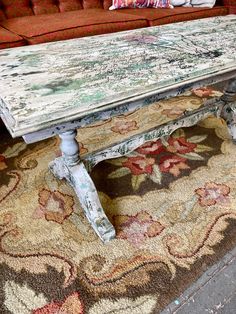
x=193 y=3
x=119 y=4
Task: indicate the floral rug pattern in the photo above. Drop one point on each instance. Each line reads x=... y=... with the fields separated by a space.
x=172 y=202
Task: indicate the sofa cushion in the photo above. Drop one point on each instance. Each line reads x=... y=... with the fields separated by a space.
x=2 y=15
x=44 y=6
x=69 y=5
x=107 y=4
x=8 y=39
x=92 y=4
x=52 y=6
x=165 y=16
x=52 y=27
x=16 y=8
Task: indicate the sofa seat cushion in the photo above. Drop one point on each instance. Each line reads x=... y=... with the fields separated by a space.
x=8 y=39
x=178 y=14
x=66 y=25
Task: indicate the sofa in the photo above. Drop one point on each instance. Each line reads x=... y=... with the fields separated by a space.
x=27 y=22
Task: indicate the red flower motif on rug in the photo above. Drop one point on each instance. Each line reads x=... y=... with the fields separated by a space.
x=180 y=145
x=136 y=229
x=124 y=127
x=139 y=165
x=151 y=148
x=71 y=305
x=54 y=206
x=213 y=193
x=205 y=92
x=173 y=164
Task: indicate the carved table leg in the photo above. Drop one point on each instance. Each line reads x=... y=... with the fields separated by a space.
x=70 y=167
x=229 y=109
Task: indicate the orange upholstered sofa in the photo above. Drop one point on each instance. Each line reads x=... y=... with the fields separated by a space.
x=26 y=22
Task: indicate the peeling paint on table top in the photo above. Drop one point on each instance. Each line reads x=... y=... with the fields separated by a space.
x=45 y=84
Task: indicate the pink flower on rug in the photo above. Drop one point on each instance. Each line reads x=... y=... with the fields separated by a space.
x=206 y=92
x=180 y=145
x=3 y=164
x=136 y=229
x=54 y=206
x=202 y=92
x=152 y=148
x=173 y=113
x=71 y=305
x=124 y=127
x=139 y=165
x=213 y=193
x=173 y=164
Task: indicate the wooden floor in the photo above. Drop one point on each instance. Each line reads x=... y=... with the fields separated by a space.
x=214 y=292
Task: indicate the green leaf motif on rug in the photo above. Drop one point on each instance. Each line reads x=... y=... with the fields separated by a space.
x=22 y=299
x=191 y=156
x=145 y=304
x=202 y=148
x=120 y=172
x=137 y=180
x=13 y=152
x=197 y=138
x=117 y=162
x=156 y=175
x=178 y=133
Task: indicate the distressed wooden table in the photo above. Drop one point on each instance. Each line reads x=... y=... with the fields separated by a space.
x=55 y=88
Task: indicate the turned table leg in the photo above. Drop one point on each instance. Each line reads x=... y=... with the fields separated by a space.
x=229 y=109
x=71 y=168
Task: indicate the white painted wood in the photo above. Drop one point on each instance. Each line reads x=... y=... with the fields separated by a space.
x=58 y=82
x=69 y=147
x=78 y=177
x=129 y=145
x=229 y=110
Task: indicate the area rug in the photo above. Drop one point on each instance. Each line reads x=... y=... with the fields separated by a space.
x=172 y=202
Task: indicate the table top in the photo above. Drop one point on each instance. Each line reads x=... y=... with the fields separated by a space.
x=52 y=83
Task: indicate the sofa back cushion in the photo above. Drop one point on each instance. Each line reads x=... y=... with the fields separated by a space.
x=2 y=15
x=44 y=6
x=92 y=4
x=69 y=5
x=17 y=8
x=107 y=4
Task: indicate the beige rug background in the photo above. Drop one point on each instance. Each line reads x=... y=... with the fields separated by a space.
x=173 y=204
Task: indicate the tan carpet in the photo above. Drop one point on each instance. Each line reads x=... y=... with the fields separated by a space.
x=173 y=204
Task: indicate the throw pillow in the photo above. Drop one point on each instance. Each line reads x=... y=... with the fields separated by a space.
x=119 y=4
x=193 y=3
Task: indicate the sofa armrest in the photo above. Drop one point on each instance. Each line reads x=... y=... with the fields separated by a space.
x=231 y=4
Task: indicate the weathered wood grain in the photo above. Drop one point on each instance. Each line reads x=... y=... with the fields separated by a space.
x=51 y=83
